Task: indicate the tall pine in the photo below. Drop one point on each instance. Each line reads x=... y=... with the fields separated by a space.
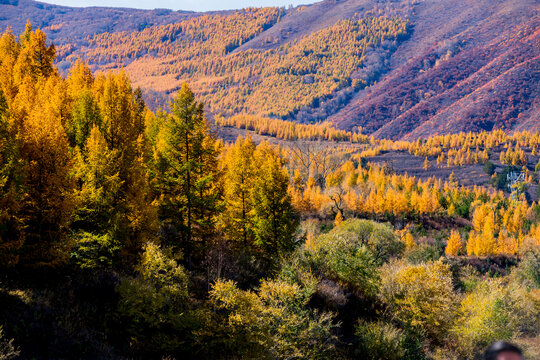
x=275 y=220
x=11 y=193
x=239 y=180
x=186 y=176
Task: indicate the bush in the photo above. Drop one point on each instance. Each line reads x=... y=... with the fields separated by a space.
x=343 y=256
x=379 y=340
x=423 y=253
x=91 y=251
x=528 y=270
x=154 y=304
x=494 y=312
x=379 y=238
x=7 y=349
x=421 y=297
x=273 y=323
x=489 y=168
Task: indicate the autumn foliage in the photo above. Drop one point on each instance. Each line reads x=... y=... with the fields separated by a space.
x=131 y=233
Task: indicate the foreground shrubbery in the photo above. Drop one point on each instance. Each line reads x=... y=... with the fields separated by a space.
x=331 y=299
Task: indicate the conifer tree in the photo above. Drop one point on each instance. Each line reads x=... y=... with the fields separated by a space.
x=11 y=194
x=426 y=164
x=454 y=245
x=121 y=113
x=98 y=174
x=84 y=116
x=36 y=58
x=49 y=204
x=239 y=179
x=186 y=174
x=275 y=220
x=409 y=241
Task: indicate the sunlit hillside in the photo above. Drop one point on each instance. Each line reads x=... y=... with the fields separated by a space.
x=396 y=69
x=248 y=217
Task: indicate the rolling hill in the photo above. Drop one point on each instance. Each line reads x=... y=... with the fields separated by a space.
x=396 y=69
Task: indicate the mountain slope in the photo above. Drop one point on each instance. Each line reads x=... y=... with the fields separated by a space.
x=470 y=70
x=396 y=69
x=65 y=24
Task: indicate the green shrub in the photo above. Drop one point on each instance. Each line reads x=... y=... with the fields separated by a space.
x=92 y=251
x=379 y=238
x=421 y=297
x=489 y=168
x=343 y=256
x=154 y=304
x=494 y=312
x=272 y=323
x=528 y=270
x=424 y=253
x=379 y=340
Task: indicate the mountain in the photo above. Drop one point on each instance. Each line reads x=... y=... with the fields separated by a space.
x=396 y=69
x=467 y=66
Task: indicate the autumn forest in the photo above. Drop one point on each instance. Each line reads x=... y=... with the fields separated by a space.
x=229 y=223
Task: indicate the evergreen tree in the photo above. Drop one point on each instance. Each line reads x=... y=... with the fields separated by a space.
x=275 y=220
x=84 y=116
x=237 y=217
x=186 y=175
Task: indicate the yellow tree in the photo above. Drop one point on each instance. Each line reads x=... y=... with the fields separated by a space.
x=454 y=245
x=37 y=106
x=11 y=192
x=49 y=204
x=409 y=241
x=121 y=115
x=35 y=58
x=426 y=164
x=239 y=179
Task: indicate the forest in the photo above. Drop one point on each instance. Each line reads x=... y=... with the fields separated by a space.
x=204 y=51
x=131 y=233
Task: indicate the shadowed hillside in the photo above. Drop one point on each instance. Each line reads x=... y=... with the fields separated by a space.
x=464 y=68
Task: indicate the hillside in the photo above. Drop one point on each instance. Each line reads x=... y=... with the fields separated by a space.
x=396 y=69
x=477 y=71
x=65 y=24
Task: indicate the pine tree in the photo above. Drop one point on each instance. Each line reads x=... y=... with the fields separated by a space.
x=409 y=241
x=84 y=116
x=122 y=125
x=98 y=195
x=49 y=204
x=9 y=52
x=36 y=58
x=275 y=220
x=426 y=164
x=11 y=193
x=239 y=180
x=186 y=176
x=454 y=245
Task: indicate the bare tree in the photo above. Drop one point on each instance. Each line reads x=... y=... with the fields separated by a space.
x=317 y=159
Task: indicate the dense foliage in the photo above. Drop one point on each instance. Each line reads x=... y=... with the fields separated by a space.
x=275 y=82
x=128 y=233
